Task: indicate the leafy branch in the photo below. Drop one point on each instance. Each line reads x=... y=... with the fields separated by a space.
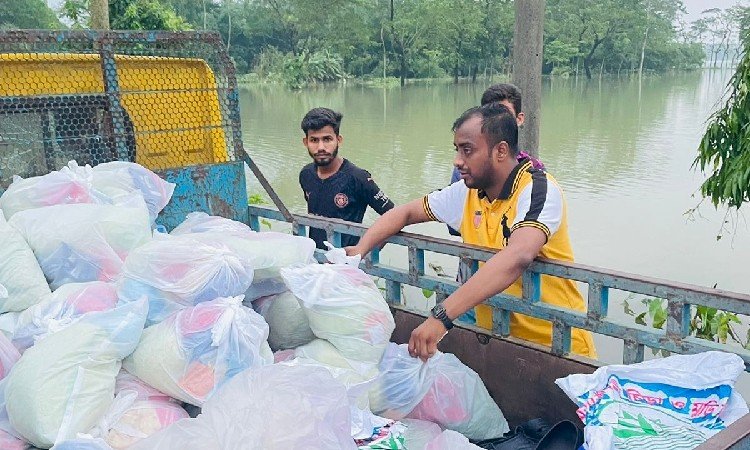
x=707 y=323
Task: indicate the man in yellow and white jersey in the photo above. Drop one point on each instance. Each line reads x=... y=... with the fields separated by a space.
x=499 y=203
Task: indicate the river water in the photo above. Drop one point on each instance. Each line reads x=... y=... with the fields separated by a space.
x=622 y=151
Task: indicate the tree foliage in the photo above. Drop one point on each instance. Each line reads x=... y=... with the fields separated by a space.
x=128 y=15
x=724 y=151
x=424 y=38
x=27 y=14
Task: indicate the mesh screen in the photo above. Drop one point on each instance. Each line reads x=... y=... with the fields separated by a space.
x=163 y=100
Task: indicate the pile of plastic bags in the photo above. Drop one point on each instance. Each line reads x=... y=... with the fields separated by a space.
x=111 y=331
x=74 y=184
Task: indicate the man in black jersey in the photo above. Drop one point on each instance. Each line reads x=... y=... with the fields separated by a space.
x=333 y=186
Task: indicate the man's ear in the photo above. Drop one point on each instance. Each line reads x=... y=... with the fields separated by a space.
x=520 y=119
x=304 y=141
x=502 y=151
x=340 y=138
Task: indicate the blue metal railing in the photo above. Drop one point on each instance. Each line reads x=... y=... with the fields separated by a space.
x=680 y=297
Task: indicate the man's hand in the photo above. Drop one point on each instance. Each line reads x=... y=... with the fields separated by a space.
x=353 y=251
x=424 y=339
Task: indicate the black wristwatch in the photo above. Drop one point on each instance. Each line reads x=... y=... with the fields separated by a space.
x=439 y=313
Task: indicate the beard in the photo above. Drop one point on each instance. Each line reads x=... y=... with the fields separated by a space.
x=479 y=180
x=327 y=160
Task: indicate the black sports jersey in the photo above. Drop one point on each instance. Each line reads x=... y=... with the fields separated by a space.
x=344 y=195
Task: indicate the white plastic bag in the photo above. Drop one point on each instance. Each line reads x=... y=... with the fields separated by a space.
x=69 y=185
x=192 y=353
x=287 y=322
x=343 y=306
x=174 y=272
x=21 y=279
x=265 y=252
x=132 y=418
x=128 y=382
x=279 y=406
x=325 y=353
x=442 y=390
x=419 y=433
x=82 y=442
x=450 y=439
x=84 y=242
x=81 y=184
x=62 y=385
x=66 y=304
x=338 y=256
x=9 y=437
x=117 y=178
x=8 y=356
x=200 y=222
x=685 y=398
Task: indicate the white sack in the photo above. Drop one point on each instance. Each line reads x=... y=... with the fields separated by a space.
x=442 y=390
x=67 y=303
x=62 y=385
x=192 y=353
x=84 y=242
x=344 y=307
x=174 y=272
x=287 y=322
x=280 y=407
x=21 y=278
x=685 y=398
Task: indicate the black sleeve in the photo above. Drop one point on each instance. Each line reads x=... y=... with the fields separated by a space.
x=373 y=195
x=302 y=184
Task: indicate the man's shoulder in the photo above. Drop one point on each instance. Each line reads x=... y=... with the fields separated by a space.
x=307 y=172
x=354 y=170
x=534 y=173
x=308 y=168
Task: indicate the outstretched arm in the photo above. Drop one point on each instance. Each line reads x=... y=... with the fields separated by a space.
x=389 y=224
x=493 y=277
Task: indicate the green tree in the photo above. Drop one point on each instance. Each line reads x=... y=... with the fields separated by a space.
x=129 y=15
x=724 y=151
x=660 y=18
x=460 y=31
x=144 y=15
x=27 y=14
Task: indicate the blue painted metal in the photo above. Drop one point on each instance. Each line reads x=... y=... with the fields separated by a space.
x=601 y=281
x=217 y=189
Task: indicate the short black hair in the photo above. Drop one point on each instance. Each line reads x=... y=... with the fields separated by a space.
x=319 y=118
x=498 y=124
x=501 y=92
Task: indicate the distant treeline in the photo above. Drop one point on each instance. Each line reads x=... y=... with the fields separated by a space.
x=301 y=41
